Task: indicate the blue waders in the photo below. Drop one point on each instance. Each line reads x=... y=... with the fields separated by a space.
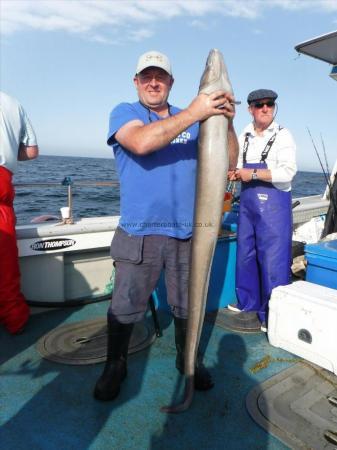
x=264 y=243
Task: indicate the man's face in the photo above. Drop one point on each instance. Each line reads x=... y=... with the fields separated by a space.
x=153 y=86
x=262 y=112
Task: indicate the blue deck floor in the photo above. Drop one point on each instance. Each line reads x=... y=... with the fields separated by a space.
x=45 y=405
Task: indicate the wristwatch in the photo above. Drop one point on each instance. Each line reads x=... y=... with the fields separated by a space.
x=254 y=174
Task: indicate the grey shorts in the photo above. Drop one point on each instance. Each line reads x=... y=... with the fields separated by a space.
x=139 y=261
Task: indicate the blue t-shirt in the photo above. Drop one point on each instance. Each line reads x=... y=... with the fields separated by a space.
x=156 y=190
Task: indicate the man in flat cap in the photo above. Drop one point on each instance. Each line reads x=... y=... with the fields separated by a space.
x=266 y=167
x=155 y=148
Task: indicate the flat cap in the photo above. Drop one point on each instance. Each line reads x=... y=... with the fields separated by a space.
x=259 y=94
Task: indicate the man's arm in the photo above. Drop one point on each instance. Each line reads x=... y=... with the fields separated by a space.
x=27 y=152
x=143 y=139
x=28 y=148
x=233 y=146
x=245 y=175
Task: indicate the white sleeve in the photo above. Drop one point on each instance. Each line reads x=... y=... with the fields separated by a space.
x=285 y=167
x=28 y=136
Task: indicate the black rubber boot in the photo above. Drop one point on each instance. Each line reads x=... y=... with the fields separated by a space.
x=115 y=370
x=202 y=378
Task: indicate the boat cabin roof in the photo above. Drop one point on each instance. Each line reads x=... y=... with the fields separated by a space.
x=322 y=47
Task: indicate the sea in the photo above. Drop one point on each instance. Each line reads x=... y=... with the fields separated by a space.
x=89 y=201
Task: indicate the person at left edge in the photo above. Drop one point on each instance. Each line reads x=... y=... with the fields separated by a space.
x=17 y=142
x=155 y=147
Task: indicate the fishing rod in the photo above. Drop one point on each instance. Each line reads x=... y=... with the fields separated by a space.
x=325 y=158
x=331 y=193
x=333 y=200
x=319 y=159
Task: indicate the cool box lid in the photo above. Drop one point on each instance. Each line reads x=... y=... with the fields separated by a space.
x=326 y=249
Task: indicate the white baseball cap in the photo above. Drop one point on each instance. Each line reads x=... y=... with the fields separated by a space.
x=154 y=59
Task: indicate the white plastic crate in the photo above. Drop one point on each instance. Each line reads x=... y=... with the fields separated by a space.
x=303 y=321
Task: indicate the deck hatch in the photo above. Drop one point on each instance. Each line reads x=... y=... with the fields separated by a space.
x=295 y=406
x=85 y=342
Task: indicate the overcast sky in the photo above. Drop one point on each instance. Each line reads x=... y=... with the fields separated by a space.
x=69 y=62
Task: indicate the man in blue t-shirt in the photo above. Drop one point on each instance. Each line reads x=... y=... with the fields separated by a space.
x=155 y=148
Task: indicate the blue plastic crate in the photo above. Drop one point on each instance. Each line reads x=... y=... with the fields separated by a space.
x=221 y=290
x=322 y=263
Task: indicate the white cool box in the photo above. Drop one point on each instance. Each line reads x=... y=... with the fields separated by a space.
x=303 y=321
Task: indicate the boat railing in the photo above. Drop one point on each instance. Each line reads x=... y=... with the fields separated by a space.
x=69 y=183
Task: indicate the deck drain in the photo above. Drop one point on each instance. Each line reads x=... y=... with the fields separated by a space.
x=85 y=342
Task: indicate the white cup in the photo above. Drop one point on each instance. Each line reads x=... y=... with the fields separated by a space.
x=65 y=212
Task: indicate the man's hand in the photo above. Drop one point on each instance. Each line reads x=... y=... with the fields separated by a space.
x=231 y=175
x=244 y=175
x=240 y=175
x=215 y=104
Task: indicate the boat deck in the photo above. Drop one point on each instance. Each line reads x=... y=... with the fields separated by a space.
x=47 y=405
